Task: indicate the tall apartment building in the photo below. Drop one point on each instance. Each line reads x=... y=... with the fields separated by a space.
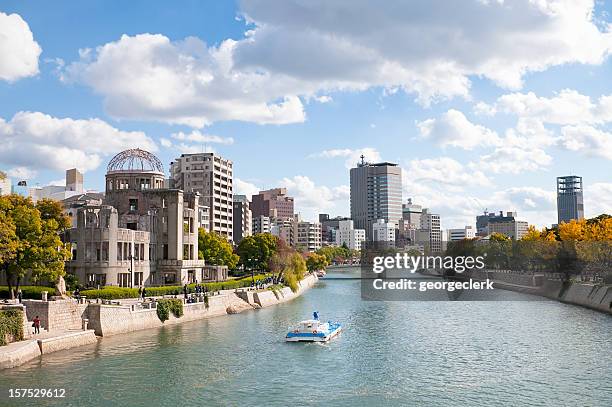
x=308 y=236
x=274 y=203
x=260 y=224
x=467 y=232
x=376 y=193
x=212 y=177
x=430 y=228
x=570 y=202
x=408 y=224
x=507 y=225
x=242 y=218
x=347 y=235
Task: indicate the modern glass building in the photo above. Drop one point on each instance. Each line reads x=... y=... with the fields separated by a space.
x=570 y=203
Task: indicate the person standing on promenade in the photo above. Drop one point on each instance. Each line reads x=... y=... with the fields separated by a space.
x=185 y=291
x=19 y=295
x=143 y=293
x=36 y=325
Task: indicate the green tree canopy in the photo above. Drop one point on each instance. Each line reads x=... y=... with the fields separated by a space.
x=316 y=262
x=34 y=243
x=256 y=251
x=215 y=249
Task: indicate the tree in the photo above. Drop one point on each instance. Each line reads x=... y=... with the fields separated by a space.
x=215 y=249
x=36 y=243
x=256 y=251
x=50 y=209
x=316 y=262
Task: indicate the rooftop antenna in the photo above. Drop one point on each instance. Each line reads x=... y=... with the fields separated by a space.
x=362 y=159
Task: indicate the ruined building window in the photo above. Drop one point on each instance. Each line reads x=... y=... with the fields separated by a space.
x=132 y=226
x=119 y=251
x=133 y=205
x=104 y=251
x=165 y=251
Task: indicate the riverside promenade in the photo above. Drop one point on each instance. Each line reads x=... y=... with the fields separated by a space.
x=68 y=323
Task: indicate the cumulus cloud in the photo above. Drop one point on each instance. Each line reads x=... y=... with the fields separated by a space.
x=598 y=199
x=311 y=197
x=295 y=50
x=446 y=171
x=36 y=140
x=18 y=51
x=149 y=77
x=197 y=137
x=588 y=140
x=242 y=187
x=565 y=108
x=353 y=156
x=454 y=129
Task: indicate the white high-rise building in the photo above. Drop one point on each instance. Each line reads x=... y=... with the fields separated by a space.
x=430 y=232
x=384 y=232
x=212 y=176
x=242 y=218
x=347 y=235
x=467 y=232
x=74 y=186
x=308 y=236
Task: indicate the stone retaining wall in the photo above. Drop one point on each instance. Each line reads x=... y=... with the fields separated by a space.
x=18 y=353
x=108 y=320
x=56 y=315
x=67 y=341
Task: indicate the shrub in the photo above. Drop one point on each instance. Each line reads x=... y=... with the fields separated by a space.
x=111 y=293
x=166 y=306
x=31 y=292
x=11 y=323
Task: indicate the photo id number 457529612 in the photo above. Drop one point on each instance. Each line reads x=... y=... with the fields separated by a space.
x=37 y=393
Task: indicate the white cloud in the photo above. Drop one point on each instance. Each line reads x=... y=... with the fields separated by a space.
x=242 y=187
x=587 y=140
x=197 y=137
x=150 y=77
x=18 y=51
x=454 y=129
x=353 y=156
x=444 y=171
x=598 y=199
x=513 y=160
x=21 y=173
x=295 y=49
x=313 y=198
x=35 y=140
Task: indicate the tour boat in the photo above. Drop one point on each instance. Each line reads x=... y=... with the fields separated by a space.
x=313 y=330
x=320 y=273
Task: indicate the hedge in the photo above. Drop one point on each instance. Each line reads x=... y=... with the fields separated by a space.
x=31 y=292
x=11 y=323
x=165 y=306
x=116 y=293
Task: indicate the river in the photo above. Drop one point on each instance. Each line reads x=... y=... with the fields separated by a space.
x=506 y=353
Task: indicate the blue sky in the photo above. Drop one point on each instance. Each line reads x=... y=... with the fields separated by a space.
x=482 y=105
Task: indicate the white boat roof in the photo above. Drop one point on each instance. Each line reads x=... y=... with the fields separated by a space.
x=311 y=321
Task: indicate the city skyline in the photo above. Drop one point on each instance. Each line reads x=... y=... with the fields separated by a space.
x=468 y=135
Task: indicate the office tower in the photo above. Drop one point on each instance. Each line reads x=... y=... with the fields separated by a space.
x=212 y=177
x=273 y=203
x=347 y=235
x=383 y=232
x=507 y=225
x=460 y=234
x=376 y=193
x=74 y=180
x=570 y=204
x=242 y=218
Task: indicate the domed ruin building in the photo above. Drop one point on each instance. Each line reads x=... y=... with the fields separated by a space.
x=143 y=234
